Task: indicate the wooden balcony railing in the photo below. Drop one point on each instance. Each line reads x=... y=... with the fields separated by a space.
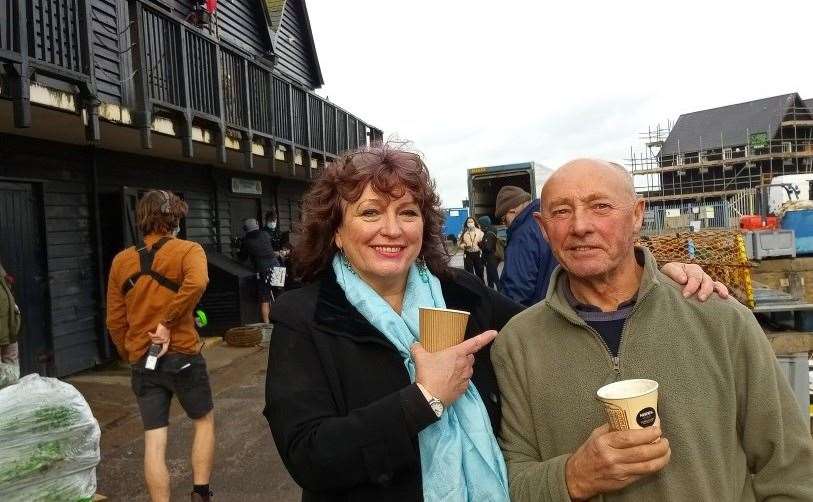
x=47 y=37
x=179 y=71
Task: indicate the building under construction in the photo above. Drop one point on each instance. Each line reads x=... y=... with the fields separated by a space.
x=702 y=170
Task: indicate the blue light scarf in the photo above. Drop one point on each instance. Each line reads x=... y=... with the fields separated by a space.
x=460 y=459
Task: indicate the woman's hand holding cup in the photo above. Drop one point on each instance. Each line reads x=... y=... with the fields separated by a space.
x=445 y=374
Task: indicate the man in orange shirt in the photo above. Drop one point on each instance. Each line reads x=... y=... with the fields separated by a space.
x=151 y=294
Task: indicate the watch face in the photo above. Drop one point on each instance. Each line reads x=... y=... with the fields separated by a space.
x=437 y=407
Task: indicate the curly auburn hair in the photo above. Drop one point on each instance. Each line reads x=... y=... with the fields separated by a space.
x=159 y=212
x=392 y=171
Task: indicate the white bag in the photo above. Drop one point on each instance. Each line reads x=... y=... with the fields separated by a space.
x=49 y=442
x=278 y=277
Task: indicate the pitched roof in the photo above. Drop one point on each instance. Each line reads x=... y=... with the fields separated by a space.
x=276 y=10
x=702 y=129
x=319 y=79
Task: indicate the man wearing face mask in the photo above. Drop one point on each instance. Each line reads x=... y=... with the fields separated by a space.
x=257 y=246
x=151 y=296
x=272 y=229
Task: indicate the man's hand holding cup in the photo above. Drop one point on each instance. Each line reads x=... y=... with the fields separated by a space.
x=610 y=460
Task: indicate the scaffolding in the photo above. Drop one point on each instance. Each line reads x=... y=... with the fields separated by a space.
x=711 y=187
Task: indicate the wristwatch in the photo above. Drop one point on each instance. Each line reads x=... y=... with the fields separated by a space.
x=434 y=403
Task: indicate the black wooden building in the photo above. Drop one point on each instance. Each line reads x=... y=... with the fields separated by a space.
x=102 y=99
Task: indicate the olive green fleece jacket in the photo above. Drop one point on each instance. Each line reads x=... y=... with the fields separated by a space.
x=735 y=430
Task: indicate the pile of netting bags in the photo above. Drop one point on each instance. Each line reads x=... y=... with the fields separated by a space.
x=49 y=442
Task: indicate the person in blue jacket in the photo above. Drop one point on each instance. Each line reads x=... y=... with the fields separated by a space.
x=529 y=262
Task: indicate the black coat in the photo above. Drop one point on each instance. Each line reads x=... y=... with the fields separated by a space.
x=257 y=246
x=339 y=402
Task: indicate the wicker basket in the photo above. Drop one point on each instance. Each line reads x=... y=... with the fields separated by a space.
x=244 y=336
x=266 y=328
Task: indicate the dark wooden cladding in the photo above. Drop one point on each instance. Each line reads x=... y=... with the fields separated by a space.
x=241 y=23
x=55 y=38
x=262 y=104
x=162 y=49
x=8 y=26
x=202 y=58
x=341 y=131
x=299 y=108
x=234 y=83
x=107 y=44
x=376 y=136
x=330 y=128
x=317 y=125
x=362 y=134
x=351 y=133
x=294 y=53
x=282 y=122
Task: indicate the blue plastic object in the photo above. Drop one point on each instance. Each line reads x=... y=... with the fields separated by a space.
x=801 y=222
x=453 y=220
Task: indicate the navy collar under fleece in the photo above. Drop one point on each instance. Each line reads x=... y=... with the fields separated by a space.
x=592 y=313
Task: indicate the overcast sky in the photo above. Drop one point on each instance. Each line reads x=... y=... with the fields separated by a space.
x=476 y=83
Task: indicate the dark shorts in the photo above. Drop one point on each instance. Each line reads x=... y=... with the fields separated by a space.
x=264 y=288
x=154 y=389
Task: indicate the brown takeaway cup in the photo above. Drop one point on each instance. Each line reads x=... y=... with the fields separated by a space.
x=442 y=328
x=630 y=404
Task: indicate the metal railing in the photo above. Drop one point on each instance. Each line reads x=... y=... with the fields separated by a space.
x=667 y=217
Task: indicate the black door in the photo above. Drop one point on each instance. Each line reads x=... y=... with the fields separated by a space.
x=21 y=251
x=242 y=208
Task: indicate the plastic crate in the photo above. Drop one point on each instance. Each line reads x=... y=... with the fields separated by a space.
x=796 y=370
x=801 y=222
x=772 y=243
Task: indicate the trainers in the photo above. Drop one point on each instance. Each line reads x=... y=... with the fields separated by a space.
x=197 y=497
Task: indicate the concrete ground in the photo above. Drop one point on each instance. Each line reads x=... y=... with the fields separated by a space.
x=247 y=466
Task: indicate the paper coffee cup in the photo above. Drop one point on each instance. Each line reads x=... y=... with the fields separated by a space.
x=630 y=404
x=442 y=328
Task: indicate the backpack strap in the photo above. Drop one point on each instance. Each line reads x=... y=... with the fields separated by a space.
x=145 y=258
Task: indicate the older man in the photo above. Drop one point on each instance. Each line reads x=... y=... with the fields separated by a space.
x=730 y=427
x=528 y=259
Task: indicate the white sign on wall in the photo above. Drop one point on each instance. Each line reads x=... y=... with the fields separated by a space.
x=242 y=185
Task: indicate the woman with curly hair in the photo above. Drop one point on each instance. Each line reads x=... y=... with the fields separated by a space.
x=358 y=409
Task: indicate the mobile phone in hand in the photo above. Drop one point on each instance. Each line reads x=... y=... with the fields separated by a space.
x=152 y=356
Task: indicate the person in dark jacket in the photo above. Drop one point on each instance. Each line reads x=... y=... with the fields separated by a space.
x=257 y=247
x=271 y=227
x=529 y=262
x=489 y=248
x=358 y=409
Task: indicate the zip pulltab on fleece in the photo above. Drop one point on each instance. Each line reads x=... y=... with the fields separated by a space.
x=617 y=367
